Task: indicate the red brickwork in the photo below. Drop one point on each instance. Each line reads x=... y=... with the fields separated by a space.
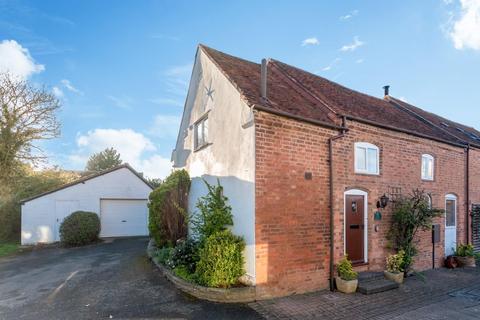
x=292 y=213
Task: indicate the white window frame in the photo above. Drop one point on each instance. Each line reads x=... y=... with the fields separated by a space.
x=356 y=192
x=430 y=201
x=200 y=123
x=453 y=198
x=366 y=146
x=428 y=157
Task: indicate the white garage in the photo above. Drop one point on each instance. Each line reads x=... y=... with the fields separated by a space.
x=119 y=196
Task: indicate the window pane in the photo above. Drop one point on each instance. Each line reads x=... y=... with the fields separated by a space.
x=372 y=161
x=450 y=213
x=361 y=159
x=424 y=168
x=205 y=130
x=430 y=169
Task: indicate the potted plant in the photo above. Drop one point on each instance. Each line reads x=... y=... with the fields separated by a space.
x=346 y=280
x=395 y=271
x=465 y=256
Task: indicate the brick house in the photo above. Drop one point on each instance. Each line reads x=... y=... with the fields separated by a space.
x=304 y=162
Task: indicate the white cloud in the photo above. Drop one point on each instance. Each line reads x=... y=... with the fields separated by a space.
x=313 y=41
x=332 y=64
x=165 y=126
x=353 y=46
x=123 y=102
x=465 y=31
x=67 y=84
x=349 y=15
x=57 y=92
x=359 y=61
x=17 y=60
x=177 y=77
x=134 y=148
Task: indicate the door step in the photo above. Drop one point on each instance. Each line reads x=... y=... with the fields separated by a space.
x=374 y=282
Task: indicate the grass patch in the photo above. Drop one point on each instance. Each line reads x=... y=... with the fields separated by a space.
x=8 y=248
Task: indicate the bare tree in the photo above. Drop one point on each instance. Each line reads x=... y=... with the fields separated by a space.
x=27 y=115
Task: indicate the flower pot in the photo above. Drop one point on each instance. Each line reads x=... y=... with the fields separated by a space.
x=346 y=286
x=397 y=277
x=465 y=261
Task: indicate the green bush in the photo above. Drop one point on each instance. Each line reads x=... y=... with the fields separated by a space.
x=182 y=272
x=465 y=250
x=28 y=183
x=345 y=269
x=80 y=228
x=185 y=254
x=168 y=209
x=221 y=260
x=215 y=214
x=164 y=254
x=395 y=262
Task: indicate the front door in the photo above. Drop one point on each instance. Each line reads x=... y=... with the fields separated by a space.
x=354 y=228
x=63 y=208
x=450 y=224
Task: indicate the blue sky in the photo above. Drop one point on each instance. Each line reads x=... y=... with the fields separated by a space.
x=121 y=68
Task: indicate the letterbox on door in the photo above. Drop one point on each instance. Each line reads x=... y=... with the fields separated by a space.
x=435 y=233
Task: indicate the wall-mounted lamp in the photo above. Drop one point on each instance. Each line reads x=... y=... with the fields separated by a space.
x=384 y=201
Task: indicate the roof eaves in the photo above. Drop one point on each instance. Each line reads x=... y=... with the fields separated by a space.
x=84 y=179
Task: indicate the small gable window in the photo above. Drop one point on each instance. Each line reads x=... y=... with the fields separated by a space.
x=427 y=167
x=201 y=133
x=366 y=158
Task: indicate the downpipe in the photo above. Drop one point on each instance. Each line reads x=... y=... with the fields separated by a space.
x=331 y=141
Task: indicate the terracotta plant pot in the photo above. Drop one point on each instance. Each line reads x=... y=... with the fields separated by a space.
x=397 y=277
x=346 y=286
x=465 y=261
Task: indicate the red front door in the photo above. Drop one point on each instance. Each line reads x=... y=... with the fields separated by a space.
x=354 y=228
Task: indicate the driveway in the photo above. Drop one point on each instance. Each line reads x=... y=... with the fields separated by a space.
x=435 y=294
x=113 y=279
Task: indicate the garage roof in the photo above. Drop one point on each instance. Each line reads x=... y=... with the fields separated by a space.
x=89 y=177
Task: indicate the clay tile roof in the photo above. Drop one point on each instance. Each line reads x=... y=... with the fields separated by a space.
x=299 y=93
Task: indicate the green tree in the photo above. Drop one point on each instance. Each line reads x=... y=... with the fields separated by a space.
x=106 y=159
x=411 y=214
x=27 y=115
x=215 y=214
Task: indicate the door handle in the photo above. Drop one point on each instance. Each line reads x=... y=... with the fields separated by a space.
x=124 y=220
x=354 y=226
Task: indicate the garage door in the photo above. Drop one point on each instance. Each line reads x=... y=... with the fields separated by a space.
x=123 y=218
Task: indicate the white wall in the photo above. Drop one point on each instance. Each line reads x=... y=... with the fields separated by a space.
x=231 y=155
x=38 y=215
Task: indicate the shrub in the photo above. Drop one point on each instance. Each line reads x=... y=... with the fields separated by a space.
x=164 y=254
x=465 y=250
x=345 y=269
x=80 y=228
x=215 y=215
x=182 y=272
x=410 y=214
x=395 y=262
x=185 y=254
x=168 y=209
x=221 y=260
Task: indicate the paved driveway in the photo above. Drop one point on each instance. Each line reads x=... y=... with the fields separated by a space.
x=113 y=279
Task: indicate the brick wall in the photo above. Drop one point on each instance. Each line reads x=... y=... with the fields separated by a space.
x=292 y=213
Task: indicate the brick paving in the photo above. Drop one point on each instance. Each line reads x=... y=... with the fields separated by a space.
x=435 y=294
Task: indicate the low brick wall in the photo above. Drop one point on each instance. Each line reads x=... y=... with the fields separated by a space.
x=231 y=295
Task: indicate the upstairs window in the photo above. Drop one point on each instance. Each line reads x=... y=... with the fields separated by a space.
x=201 y=133
x=366 y=158
x=427 y=167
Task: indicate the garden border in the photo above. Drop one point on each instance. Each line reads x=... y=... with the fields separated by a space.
x=230 y=295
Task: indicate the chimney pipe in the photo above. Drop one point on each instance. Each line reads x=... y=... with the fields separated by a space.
x=263 y=80
x=386 y=89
